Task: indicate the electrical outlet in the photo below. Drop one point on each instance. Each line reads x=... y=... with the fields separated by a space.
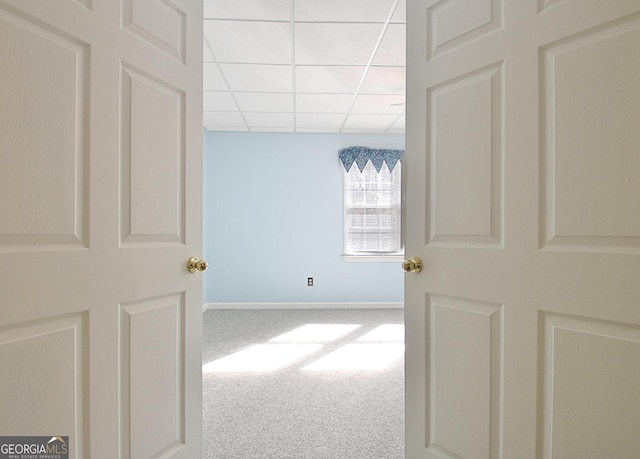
x=310 y=281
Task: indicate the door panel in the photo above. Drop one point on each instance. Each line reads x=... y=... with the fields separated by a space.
x=152 y=354
x=592 y=75
x=160 y=23
x=45 y=357
x=452 y=24
x=523 y=202
x=47 y=209
x=465 y=397
x=100 y=321
x=153 y=205
x=590 y=371
x=466 y=164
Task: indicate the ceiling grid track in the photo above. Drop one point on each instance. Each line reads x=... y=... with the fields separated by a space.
x=371 y=58
x=292 y=22
x=224 y=78
x=305 y=66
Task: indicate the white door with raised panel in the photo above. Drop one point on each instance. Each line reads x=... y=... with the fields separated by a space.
x=523 y=202
x=100 y=209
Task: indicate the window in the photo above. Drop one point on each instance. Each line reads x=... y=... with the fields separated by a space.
x=372 y=211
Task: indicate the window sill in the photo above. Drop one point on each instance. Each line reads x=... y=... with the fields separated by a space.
x=372 y=258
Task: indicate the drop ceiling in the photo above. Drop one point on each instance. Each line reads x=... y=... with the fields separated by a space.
x=335 y=66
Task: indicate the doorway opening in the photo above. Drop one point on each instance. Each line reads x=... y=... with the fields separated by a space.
x=286 y=86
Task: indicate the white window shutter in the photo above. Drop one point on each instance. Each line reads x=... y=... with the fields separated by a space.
x=372 y=211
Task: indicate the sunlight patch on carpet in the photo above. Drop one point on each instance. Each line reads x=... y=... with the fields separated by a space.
x=385 y=333
x=316 y=333
x=261 y=357
x=359 y=357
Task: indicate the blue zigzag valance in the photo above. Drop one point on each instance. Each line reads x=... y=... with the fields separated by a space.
x=362 y=155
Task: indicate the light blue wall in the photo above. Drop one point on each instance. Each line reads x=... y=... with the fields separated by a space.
x=273 y=217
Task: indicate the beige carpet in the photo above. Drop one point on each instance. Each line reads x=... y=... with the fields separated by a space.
x=300 y=410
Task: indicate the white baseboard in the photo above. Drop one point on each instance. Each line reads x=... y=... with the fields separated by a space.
x=305 y=305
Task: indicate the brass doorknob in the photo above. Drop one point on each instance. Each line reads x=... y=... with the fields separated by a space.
x=195 y=264
x=413 y=265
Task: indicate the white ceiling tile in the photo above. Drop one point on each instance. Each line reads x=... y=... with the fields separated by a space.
x=342 y=11
x=224 y=120
x=212 y=78
x=265 y=101
x=384 y=80
x=329 y=122
x=269 y=120
x=219 y=101
x=249 y=41
x=398 y=126
x=392 y=47
x=207 y=55
x=369 y=121
x=367 y=130
x=226 y=129
x=317 y=130
x=379 y=104
x=258 y=78
x=400 y=14
x=248 y=72
x=325 y=43
x=330 y=79
x=272 y=129
x=393 y=130
x=323 y=103
x=270 y=10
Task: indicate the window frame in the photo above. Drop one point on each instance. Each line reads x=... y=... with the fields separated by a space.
x=355 y=256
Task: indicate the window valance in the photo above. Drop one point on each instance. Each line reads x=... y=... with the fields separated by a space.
x=362 y=155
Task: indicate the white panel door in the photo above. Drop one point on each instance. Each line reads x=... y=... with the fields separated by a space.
x=100 y=209
x=523 y=201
